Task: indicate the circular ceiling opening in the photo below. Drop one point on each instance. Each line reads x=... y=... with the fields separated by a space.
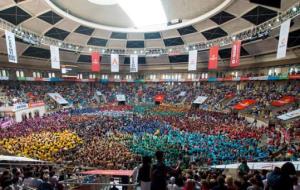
x=138 y=15
x=104 y=2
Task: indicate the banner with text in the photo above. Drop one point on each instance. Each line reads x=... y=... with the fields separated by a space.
x=200 y=100
x=55 y=60
x=283 y=39
x=290 y=115
x=193 y=60
x=213 y=57
x=95 y=61
x=114 y=63
x=134 y=63
x=235 y=53
x=58 y=98
x=11 y=47
x=121 y=97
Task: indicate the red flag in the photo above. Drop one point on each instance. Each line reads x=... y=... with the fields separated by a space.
x=244 y=104
x=213 y=57
x=95 y=61
x=235 y=53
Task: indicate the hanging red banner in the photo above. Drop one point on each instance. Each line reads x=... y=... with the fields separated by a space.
x=95 y=61
x=235 y=53
x=213 y=57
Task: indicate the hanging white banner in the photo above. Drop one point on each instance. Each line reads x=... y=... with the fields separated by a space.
x=283 y=39
x=193 y=60
x=134 y=63
x=11 y=47
x=114 y=63
x=55 y=60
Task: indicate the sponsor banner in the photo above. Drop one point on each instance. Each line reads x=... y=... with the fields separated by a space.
x=58 y=98
x=244 y=78
x=228 y=79
x=121 y=97
x=39 y=79
x=200 y=100
x=284 y=76
x=259 y=78
x=95 y=61
x=290 y=115
x=134 y=63
x=273 y=78
x=294 y=76
x=244 y=104
x=7 y=123
x=29 y=79
x=36 y=104
x=211 y=79
x=20 y=106
x=21 y=78
x=182 y=93
x=11 y=47
x=55 y=60
x=283 y=101
x=236 y=79
x=283 y=39
x=213 y=57
x=235 y=53
x=56 y=79
x=159 y=98
x=114 y=63
x=193 y=60
x=4 y=78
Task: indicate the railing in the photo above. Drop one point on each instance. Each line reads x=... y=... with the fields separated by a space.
x=100 y=186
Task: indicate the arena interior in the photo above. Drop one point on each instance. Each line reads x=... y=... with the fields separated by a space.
x=149 y=94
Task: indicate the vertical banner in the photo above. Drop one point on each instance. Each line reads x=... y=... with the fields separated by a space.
x=193 y=60
x=114 y=63
x=55 y=60
x=95 y=61
x=213 y=57
x=11 y=47
x=235 y=53
x=283 y=39
x=134 y=63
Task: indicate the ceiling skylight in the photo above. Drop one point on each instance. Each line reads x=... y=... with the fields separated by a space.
x=144 y=13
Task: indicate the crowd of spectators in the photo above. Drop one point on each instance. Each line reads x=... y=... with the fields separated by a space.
x=91 y=136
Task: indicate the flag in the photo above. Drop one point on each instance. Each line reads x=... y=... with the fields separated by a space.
x=134 y=63
x=283 y=39
x=193 y=60
x=114 y=63
x=55 y=61
x=213 y=57
x=11 y=47
x=95 y=61
x=235 y=53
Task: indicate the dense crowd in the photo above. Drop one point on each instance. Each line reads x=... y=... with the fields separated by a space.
x=85 y=94
x=91 y=136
